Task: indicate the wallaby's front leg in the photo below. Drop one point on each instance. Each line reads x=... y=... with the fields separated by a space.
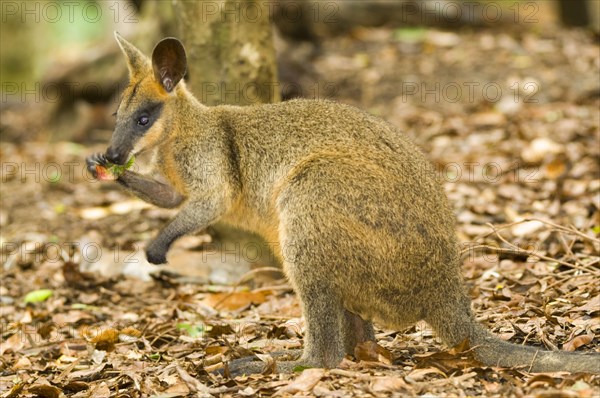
x=145 y=188
x=194 y=215
x=150 y=190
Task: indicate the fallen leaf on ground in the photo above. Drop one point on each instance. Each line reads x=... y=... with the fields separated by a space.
x=193 y=384
x=307 y=380
x=577 y=342
x=15 y=390
x=37 y=296
x=22 y=363
x=14 y=343
x=387 y=383
x=105 y=340
x=590 y=307
x=236 y=300
x=45 y=391
x=373 y=352
x=100 y=390
x=457 y=357
x=419 y=374
x=87 y=374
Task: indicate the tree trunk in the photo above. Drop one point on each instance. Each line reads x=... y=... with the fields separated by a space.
x=231 y=58
x=574 y=12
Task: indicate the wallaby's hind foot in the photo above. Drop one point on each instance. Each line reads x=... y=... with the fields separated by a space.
x=285 y=362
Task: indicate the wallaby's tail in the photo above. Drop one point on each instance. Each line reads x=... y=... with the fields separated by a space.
x=493 y=351
x=455 y=327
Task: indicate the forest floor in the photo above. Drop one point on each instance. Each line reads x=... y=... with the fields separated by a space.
x=509 y=117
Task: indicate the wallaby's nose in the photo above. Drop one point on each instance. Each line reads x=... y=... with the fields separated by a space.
x=113 y=156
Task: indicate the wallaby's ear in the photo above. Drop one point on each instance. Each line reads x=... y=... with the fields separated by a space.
x=136 y=60
x=169 y=62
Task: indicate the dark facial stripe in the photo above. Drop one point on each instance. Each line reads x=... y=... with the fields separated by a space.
x=135 y=88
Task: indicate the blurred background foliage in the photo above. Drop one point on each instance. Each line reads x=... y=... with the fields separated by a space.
x=37 y=36
x=61 y=54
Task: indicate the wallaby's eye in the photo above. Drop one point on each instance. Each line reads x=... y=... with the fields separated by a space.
x=146 y=116
x=143 y=120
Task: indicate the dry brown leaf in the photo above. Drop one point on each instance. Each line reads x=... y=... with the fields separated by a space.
x=129 y=334
x=22 y=363
x=219 y=330
x=419 y=374
x=270 y=364
x=87 y=374
x=15 y=390
x=45 y=391
x=577 y=342
x=590 y=307
x=387 y=383
x=193 y=384
x=460 y=348
x=488 y=119
x=215 y=350
x=75 y=386
x=177 y=389
x=373 y=352
x=555 y=168
x=307 y=380
x=247 y=392
x=100 y=390
x=14 y=343
x=74 y=277
x=458 y=357
x=542 y=379
x=539 y=148
x=104 y=340
x=236 y=300
x=70 y=317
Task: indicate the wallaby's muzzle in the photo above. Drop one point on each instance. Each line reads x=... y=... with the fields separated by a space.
x=120 y=147
x=116 y=157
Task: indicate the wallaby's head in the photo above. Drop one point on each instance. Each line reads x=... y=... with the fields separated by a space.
x=152 y=90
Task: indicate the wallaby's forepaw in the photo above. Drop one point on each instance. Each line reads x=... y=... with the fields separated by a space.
x=156 y=255
x=96 y=163
x=97 y=159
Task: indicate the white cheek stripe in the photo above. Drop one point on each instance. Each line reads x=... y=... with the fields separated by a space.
x=141 y=145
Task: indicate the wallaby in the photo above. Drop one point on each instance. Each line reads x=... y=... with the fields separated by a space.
x=350 y=206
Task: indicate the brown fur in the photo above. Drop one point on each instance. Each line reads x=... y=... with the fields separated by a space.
x=351 y=206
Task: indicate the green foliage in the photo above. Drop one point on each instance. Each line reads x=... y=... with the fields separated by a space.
x=410 y=34
x=195 y=330
x=117 y=170
x=301 y=368
x=37 y=296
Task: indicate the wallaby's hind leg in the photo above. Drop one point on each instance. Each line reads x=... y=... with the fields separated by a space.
x=356 y=330
x=326 y=318
x=324 y=314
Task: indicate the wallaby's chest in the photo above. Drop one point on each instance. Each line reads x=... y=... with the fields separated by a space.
x=170 y=170
x=242 y=216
